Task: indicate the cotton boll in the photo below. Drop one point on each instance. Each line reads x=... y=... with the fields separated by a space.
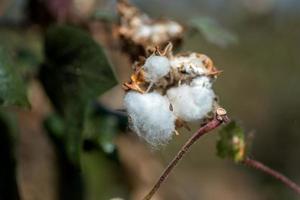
x=191 y=103
x=143 y=32
x=156 y=67
x=150 y=116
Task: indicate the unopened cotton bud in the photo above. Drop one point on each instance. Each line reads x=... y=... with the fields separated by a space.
x=192 y=103
x=150 y=116
x=156 y=67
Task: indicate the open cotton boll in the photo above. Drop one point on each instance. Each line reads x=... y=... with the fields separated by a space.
x=190 y=64
x=150 y=116
x=191 y=103
x=156 y=67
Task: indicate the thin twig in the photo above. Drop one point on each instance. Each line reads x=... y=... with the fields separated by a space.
x=260 y=166
x=211 y=125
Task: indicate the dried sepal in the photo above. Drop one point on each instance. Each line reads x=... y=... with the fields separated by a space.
x=209 y=65
x=221 y=111
x=136 y=80
x=166 y=51
x=181 y=123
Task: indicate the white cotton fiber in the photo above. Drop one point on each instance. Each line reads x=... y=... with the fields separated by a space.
x=143 y=33
x=150 y=116
x=174 y=28
x=192 y=102
x=190 y=64
x=202 y=81
x=156 y=67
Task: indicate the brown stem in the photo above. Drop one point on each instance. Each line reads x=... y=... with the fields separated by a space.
x=211 y=125
x=260 y=166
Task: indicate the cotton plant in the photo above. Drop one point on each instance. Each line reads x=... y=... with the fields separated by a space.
x=168 y=91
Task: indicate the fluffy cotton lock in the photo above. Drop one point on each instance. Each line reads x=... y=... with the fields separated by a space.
x=150 y=116
x=192 y=102
x=156 y=67
x=190 y=64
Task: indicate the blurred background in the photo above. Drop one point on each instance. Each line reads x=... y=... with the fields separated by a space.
x=255 y=43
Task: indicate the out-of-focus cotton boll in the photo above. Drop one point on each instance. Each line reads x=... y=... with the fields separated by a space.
x=159 y=29
x=150 y=116
x=156 y=67
x=192 y=103
x=174 y=28
x=143 y=33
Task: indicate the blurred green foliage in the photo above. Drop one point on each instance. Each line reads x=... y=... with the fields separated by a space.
x=75 y=72
x=213 y=32
x=231 y=142
x=24 y=48
x=12 y=87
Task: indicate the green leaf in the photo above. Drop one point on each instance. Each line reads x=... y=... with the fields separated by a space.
x=213 y=32
x=76 y=69
x=12 y=87
x=231 y=142
x=75 y=73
